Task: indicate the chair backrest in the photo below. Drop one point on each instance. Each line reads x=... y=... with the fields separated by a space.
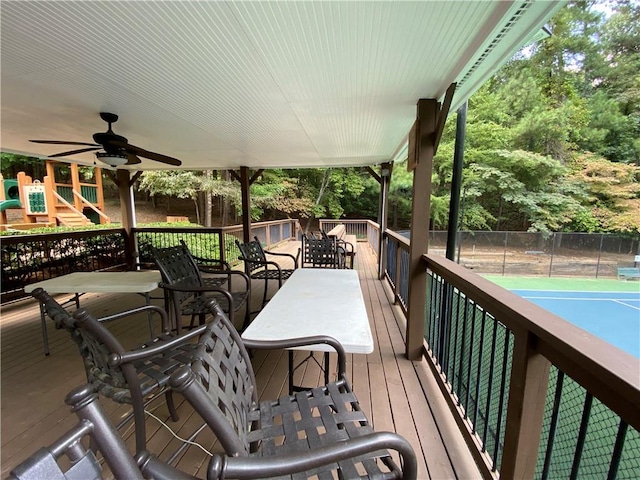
x=95 y=343
x=220 y=383
x=322 y=252
x=252 y=254
x=177 y=266
x=82 y=463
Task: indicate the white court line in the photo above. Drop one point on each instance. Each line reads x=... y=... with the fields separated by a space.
x=627 y=305
x=582 y=299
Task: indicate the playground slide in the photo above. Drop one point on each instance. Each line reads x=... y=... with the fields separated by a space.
x=6 y=204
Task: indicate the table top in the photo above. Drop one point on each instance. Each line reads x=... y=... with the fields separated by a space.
x=316 y=301
x=100 y=282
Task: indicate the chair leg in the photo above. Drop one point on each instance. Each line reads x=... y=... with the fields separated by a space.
x=264 y=296
x=247 y=315
x=171 y=405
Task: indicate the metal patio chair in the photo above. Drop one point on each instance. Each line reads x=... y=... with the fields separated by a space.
x=134 y=377
x=68 y=458
x=320 y=432
x=188 y=286
x=82 y=463
x=322 y=253
x=258 y=267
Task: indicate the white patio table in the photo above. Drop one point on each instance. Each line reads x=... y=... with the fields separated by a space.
x=316 y=301
x=77 y=283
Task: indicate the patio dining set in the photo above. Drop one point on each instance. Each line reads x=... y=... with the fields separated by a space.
x=313 y=431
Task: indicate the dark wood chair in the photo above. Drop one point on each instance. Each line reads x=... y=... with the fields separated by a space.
x=321 y=432
x=188 y=286
x=259 y=267
x=322 y=253
x=135 y=377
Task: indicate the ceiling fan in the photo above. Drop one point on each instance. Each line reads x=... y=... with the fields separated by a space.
x=117 y=150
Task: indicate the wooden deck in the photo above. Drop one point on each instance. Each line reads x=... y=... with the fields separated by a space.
x=398 y=395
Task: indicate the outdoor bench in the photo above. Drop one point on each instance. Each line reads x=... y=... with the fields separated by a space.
x=628 y=272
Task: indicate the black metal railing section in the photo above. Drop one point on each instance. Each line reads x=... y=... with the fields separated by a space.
x=202 y=242
x=31 y=258
x=396 y=254
x=604 y=446
x=473 y=351
x=590 y=390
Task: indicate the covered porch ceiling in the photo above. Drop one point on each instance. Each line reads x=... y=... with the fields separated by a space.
x=221 y=85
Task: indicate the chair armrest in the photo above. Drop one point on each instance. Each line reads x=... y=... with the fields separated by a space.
x=282 y=254
x=212 y=263
x=118 y=359
x=264 y=263
x=301 y=342
x=287 y=464
x=153 y=467
x=166 y=327
x=194 y=289
x=229 y=273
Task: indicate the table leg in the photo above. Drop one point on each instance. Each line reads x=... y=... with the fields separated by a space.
x=43 y=324
x=147 y=296
x=326 y=368
x=291 y=369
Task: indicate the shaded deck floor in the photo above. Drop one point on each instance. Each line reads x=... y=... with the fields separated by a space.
x=397 y=395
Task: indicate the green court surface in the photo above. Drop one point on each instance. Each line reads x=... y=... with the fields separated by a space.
x=565 y=284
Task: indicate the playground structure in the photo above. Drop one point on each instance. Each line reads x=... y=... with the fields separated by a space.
x=50 y=203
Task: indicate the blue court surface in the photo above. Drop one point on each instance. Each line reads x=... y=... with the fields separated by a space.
x=612 y=316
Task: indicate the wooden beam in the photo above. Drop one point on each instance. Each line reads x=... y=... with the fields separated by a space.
x=373 y=173
x=235 y=175
x=135 y=177
x=112 y=177
x=525 y=410
x=246 y=204
x=420 y=214
x=383 y=203
x=442 y=115
x=255 y=176
x=127 y=209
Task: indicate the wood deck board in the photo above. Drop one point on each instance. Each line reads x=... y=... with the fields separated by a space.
x=388 y=386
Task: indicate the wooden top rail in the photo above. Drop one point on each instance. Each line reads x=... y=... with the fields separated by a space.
x=338 y=232
x=606 y=372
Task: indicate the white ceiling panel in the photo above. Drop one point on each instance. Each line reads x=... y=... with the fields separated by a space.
x=260 y=84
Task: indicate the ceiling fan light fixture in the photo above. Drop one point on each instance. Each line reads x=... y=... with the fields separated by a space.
x=113 y=159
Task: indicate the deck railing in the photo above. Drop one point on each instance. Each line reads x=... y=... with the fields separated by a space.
x=532 y=393
x=30 y=258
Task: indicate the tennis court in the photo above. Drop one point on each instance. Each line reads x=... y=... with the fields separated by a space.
x=594 y=306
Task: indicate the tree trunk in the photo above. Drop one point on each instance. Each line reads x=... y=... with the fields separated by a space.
x=323 y=186
x=225 y=203
x=208 y=204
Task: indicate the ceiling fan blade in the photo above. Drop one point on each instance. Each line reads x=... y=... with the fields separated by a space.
x=61 y=142
x=147 y=154
x=73 y=152
x=133 y=159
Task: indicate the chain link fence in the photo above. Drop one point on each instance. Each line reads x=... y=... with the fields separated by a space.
x=591 y=255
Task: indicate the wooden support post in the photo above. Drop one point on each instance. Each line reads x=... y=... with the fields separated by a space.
x=383 y=208
x=246 y=204
x=127 y=209
x=525 y=410
x=99 y=192
x=421 y=202
x=75 y=185
x=52 y=202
